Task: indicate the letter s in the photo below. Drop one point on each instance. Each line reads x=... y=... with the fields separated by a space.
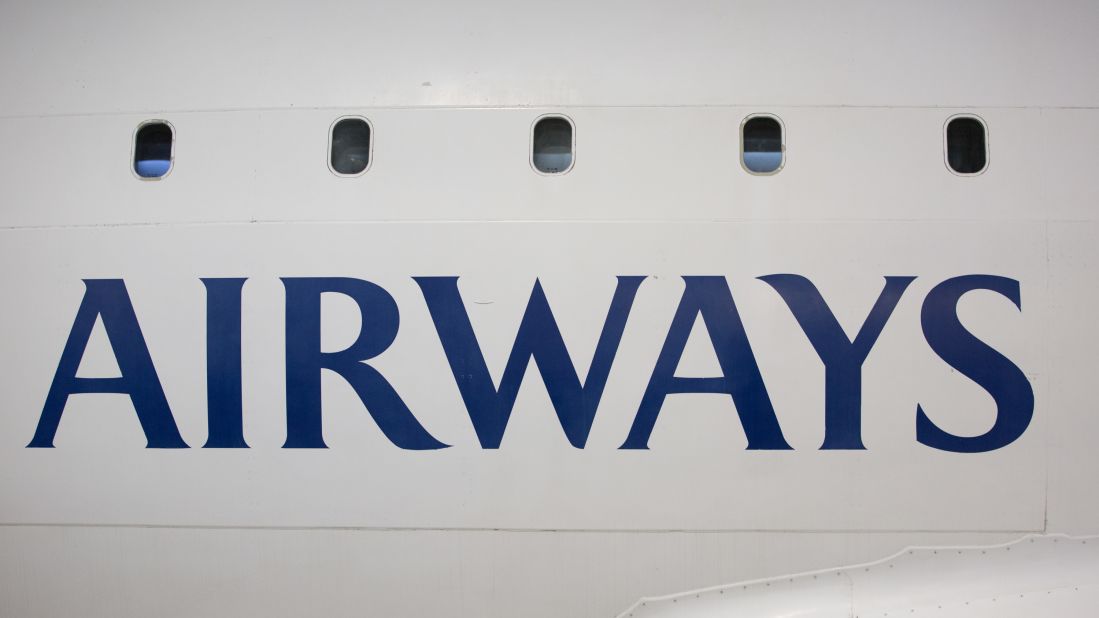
x=979 y=362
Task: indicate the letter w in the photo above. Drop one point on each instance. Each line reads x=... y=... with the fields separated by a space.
x=538 y=338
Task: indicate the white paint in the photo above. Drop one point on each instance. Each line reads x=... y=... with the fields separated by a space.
x=106 y=572
x=697 y=474
x=1043 y=575
x=863 y=89
x=128 y=56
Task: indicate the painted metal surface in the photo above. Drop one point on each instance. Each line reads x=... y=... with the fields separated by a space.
x=699 y=470
x=99 y=525
x=126 y=56
x=1052 y=575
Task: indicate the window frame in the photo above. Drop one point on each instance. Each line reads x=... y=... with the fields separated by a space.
x=171 y=152
x=370 y=149
x=782 y=143
x=946 y=144
x=572 y=146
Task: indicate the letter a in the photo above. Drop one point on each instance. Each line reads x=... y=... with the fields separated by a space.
x=107 y=299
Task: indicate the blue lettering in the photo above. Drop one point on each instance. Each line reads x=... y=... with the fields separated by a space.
x=711 y=298
x=107 y=299
x=979 y=362
x=842 y=358
x=538 y=338
x=224 y=407
x=304 y=362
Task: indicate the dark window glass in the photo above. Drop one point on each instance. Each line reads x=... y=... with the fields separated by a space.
x=552 y=145
x=350 y=146
x=153 y=150
x=761 y=144
x=966 y=151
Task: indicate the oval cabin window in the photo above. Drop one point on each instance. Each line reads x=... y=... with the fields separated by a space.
x=552 y=145
x=762 y=145
x=349 y=147
x=966 y=145
x=153 y=143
